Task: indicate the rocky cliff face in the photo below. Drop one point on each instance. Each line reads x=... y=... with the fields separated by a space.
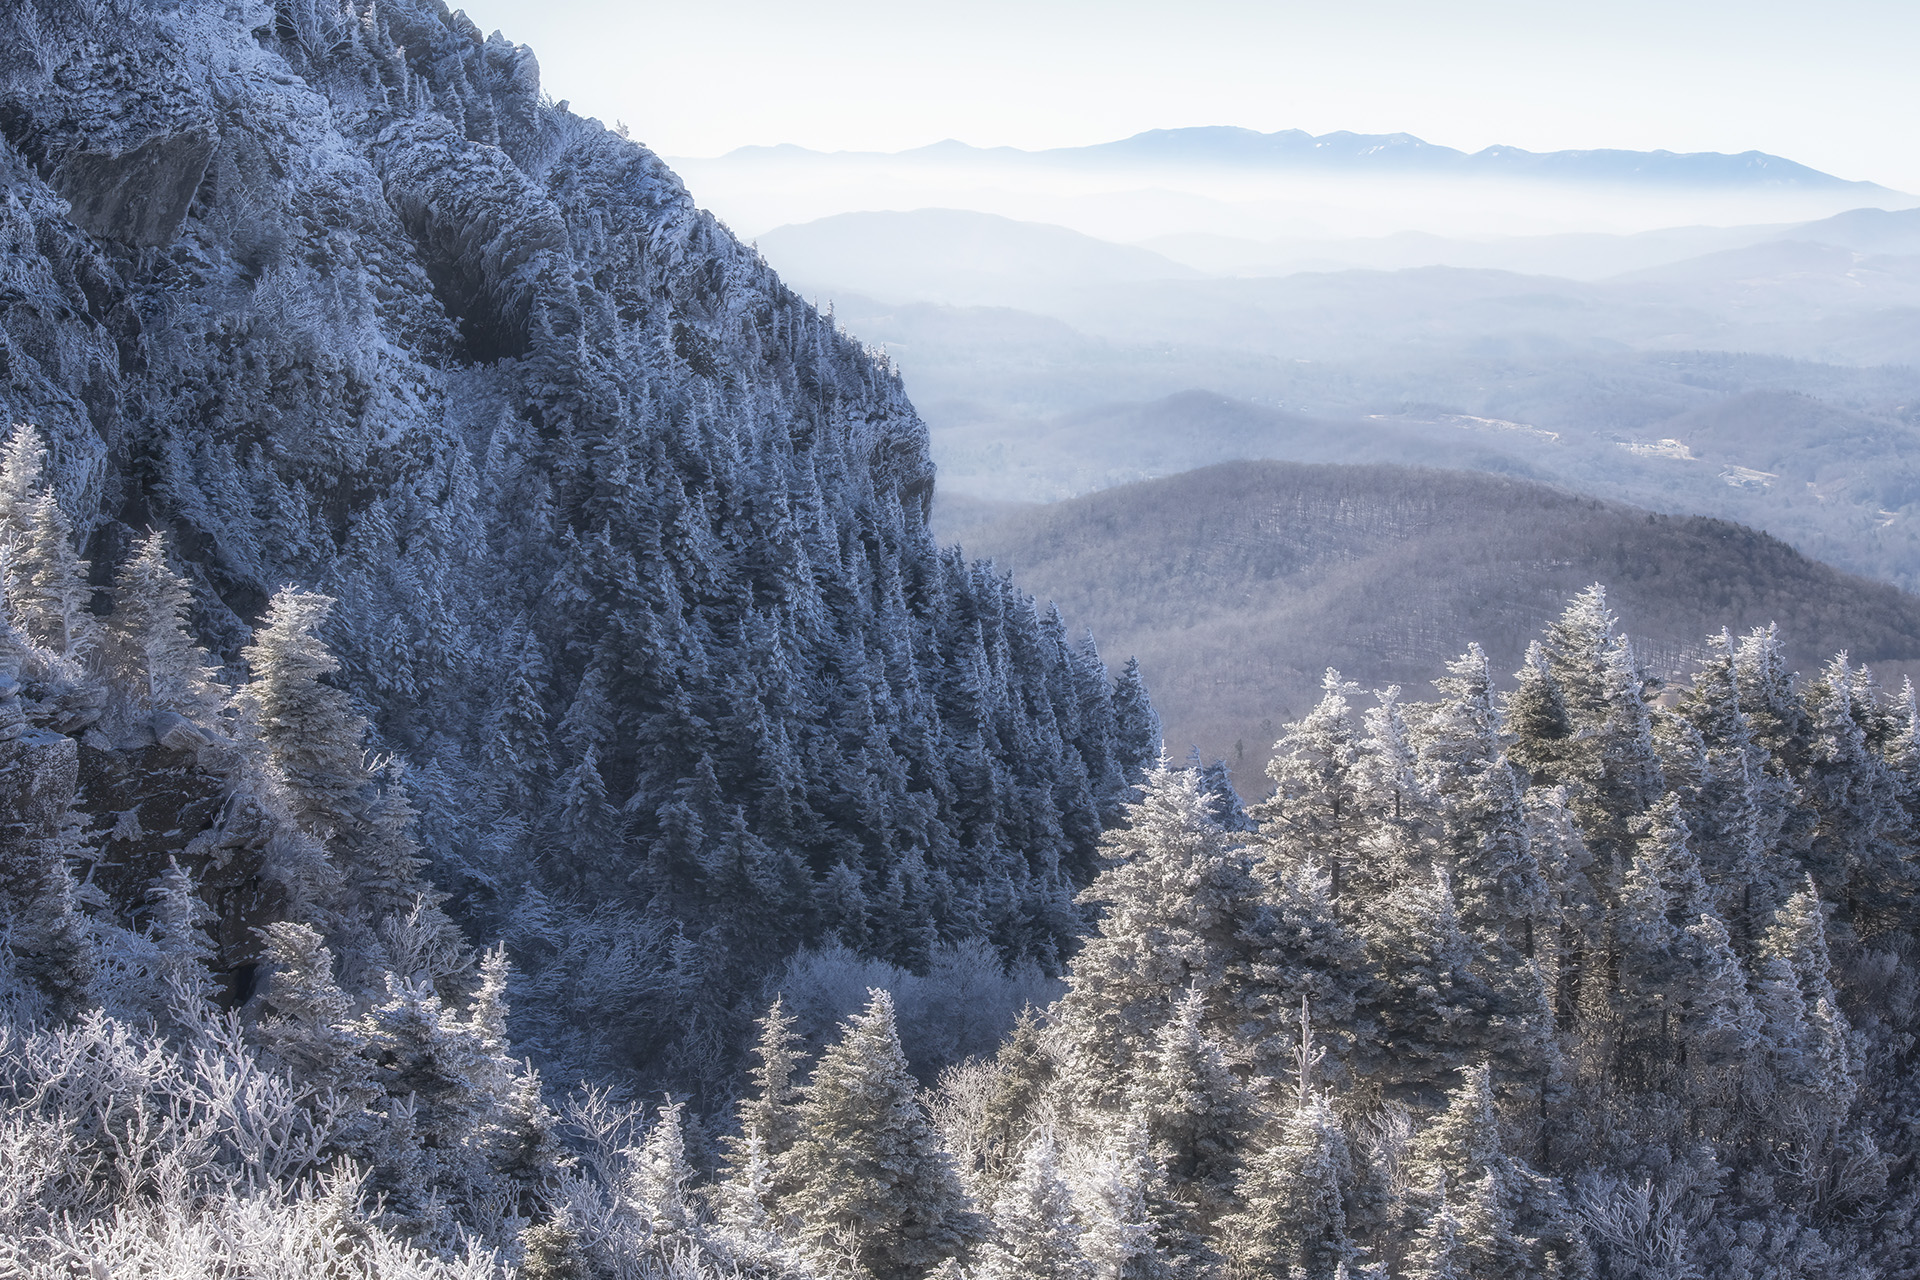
x=629 y=542
x=302 y=247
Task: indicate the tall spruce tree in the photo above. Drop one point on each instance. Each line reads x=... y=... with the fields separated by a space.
x=1861 y=841
x=46 y=579
x=1198 y=1116
x=1315 y=807
x=753 y=1192
x=1181 y=912
x=1482 y=838
x=867 y=1167
x=1036 y=1234
x=1291 y=1220
x=314 y=739
x=150 y=633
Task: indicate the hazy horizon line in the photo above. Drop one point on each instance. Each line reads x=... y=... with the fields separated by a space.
x=952 y=141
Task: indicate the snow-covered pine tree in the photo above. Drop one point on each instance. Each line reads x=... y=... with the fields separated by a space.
x=1809 y=1034
x=1661 y=893
x=1683 y=1003
x=1291 y=1220
x=305 y=1022
x=151 y=637
x=1429 y=1012
x=1457 y=1168
x=51 y=940
x=1314 y=811
x=1482 y=839
x=385 y=872
x=524 y=1146
x=1136 y=725
x=515 y=739
x=314 y=740
x=752 y=1193
x=1117 y=1196
x=1575 y=648
x=1199 y=1117
x=435 y=1070
x=1223 y=800
x=1036 y=1232
x=1739 y=808
x=1608 y=763
x=1535 y=713
x=1391 y=796
x=1018 y=1102
x=1862 y=838
x=22 y=474
x=46 y=578
x=1770 y=697
x=1300 y=948
x=659 y=1178
x=867 y=1168
x=161 y=974
x=1182 y=912
x=1435 y=1247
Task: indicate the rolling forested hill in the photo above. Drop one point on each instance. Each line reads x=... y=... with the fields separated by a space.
x=1237 y=585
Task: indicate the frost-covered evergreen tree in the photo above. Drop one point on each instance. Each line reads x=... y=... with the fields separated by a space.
x=1862 y=837
x=150 y=631
x=1429 y=1013
x=52 y=942
x=314 y=740
x=1291 y=1220
x=1198 y=1117
x=1482 y=840
x=1435 y=1252
x=1535 y=712
x=1181 y=915
x=1119 y=1190
x=754 y=1192
x=868 y=1170
x=1036 y=1233
x=306 y=1023
x=1136 y=725
x=516 y=741
x=162 y=974
x=1608 y=761
x=1681 y=982
x=1315 y=807
x=46 y=583
x=1810 y=1037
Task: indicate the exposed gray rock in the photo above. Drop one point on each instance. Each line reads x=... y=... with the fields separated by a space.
x=39 y=777
x=139 y=197
x=177 y=733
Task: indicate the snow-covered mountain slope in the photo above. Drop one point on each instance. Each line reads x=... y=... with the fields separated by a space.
x=628 y=542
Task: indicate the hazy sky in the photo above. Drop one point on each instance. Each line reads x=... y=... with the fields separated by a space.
x=1831 y=84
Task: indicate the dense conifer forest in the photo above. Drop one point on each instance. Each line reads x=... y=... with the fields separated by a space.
x=497 y=779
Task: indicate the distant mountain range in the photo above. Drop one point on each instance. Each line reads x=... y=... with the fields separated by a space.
x=966 y=257
x=1050 y=364
x=1237 y=585
x=1364 y=154
x=1245 y=185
